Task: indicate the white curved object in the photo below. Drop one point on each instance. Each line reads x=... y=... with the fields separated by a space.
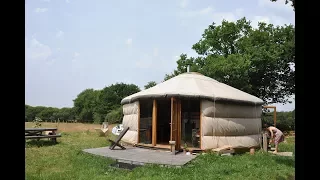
x=117 y=129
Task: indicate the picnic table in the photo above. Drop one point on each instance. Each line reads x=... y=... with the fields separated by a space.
x=37 y=133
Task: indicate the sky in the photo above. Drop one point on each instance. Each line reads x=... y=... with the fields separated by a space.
x=72 y=45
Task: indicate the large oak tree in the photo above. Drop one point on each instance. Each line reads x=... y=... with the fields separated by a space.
x=259 y=61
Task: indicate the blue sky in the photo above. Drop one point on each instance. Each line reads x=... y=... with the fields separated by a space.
x=72 y=45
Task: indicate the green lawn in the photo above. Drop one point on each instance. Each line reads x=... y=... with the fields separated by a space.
x=66 y=160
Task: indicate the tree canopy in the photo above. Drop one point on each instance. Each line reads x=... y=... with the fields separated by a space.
x=258 y=60
x=150 y=84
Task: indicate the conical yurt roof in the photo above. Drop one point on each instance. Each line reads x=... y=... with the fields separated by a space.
x=194 y=85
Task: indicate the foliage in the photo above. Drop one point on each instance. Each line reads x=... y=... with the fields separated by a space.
x=86 y=103
x=112 y=95
x=150 y=84
x=37 y=122
x=32 y=112
x=97 y=118
x=93 y=105
x=285 y=120
x=255 y=60
x=115 y=116
x=89 y=106
x=66 y=160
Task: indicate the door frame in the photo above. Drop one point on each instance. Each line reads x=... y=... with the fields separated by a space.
x=175 y=125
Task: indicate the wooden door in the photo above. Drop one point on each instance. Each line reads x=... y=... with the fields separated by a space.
x=175 y=122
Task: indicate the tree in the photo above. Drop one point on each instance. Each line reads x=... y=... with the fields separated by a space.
x=256 y=61
x=114 y=116
x=48 y=113
x=285 y=120
x=97 y=118
x=286 y=2
x=86 y=103
x=150 y=84
x=111 y=96
x=33 y=112
x=65 y=114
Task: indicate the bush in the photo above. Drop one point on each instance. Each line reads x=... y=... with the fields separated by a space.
x=115 y=116
x=37 y=122
x=97 y=118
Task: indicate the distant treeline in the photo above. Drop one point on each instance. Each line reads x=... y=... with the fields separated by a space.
x=89 y=106
x=285 y=120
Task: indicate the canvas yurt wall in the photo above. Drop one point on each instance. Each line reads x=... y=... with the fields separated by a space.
x=226 y=123
x=130 y=119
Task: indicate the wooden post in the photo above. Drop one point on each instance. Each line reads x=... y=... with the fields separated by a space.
x=154 y=123
x=138 y=140
x=275 y=116
x=200 y=138
x=264 y=141
x=178 y=143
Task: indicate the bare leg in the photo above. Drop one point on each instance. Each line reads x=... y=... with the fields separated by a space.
x=276 y=147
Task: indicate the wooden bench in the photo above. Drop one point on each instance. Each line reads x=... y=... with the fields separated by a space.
x=38 y=133
x=52 y=137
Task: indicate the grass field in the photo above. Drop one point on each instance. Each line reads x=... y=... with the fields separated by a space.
x=66 y=160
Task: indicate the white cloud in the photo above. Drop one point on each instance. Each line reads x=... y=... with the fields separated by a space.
x=239 y=12
x=155 y=51
x=129 y=41
x=68 y=14
x=174 y=60
x=228 y=16
x=275 y=20
x=205 y=10
x=67 y=1
x=144 y=62
x=50 y=61
x=184 y=3
x=59 y=34
x=188 y=14
x=37 y=51
x=41 y=10
x=257 y=19
x=278 y=5
x=74 y=56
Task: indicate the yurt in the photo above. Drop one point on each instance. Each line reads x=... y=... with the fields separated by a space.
x=194 y=111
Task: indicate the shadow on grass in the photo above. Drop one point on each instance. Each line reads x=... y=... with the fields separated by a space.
x=40 y=143
x=289 y=177
x=288 y=161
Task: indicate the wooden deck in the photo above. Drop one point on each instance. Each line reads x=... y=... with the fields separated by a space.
x=141 y=156
x=165 y=147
